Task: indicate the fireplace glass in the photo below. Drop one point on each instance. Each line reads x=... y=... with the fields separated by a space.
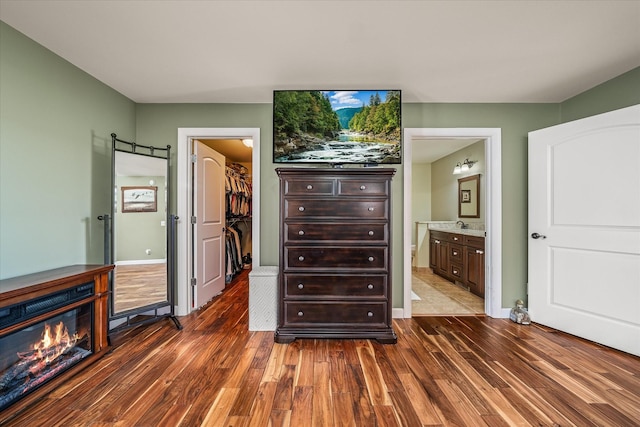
x=35 y=354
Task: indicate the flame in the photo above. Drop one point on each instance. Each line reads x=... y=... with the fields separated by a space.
x=52 y=345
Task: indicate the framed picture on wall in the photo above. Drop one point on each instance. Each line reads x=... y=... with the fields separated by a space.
x=140 y=199
x=465 y=196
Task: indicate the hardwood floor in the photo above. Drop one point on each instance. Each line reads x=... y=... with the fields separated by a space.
x=139 y=285
x=449 y=371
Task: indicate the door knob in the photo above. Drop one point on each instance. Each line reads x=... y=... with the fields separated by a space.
x=538 y=236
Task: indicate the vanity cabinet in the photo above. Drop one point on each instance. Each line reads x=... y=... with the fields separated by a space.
x=459 y=258
x=474 y=264
x=439 y=253
x=335 y=254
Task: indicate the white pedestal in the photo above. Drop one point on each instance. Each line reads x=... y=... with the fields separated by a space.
x=263 y=294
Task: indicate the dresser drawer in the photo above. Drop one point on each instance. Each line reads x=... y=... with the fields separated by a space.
x=334 y=285
x=308 y=186
x=455 y=253
x=332 y=208
x=332 y=313
x=440 y=235
x=455 y=238
x=447 y=237
x=354 y=187
x=325 y=231
x=456 y=271
x=474 y=241
x=333 y=257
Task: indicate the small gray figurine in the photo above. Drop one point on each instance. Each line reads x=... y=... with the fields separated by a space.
x=519 y=314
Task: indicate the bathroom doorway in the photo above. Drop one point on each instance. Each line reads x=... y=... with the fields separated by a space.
x=453 y=299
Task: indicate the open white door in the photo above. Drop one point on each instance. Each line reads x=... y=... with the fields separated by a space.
x=584 y=228
x=209 y=211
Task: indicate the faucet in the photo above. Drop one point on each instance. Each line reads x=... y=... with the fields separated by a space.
x=462 y=224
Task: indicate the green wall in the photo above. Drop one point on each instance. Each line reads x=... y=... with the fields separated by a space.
x=623 y=91
x=158 y=123
x=55 y=122
x=135 y=232
x=55 y=157
x=444 y=184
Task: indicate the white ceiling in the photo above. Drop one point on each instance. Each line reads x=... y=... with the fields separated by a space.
x=434 y=51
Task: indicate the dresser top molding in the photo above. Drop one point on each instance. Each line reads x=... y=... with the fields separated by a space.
x=337 y=171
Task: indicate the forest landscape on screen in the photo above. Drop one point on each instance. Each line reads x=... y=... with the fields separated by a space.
x=337 y=127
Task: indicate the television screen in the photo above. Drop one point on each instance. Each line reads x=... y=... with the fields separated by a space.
x=337 y=127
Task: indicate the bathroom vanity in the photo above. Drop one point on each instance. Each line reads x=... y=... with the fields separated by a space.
x=458 y=255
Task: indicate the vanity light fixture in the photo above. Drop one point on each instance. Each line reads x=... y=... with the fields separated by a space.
x=464 y=166
x=248 y=142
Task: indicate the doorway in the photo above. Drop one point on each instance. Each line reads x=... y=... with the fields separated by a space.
x=493 y=203
x=438 y=286
x=184 y=202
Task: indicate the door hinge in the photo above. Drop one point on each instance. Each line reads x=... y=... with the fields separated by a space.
x=194 y=158
x=194 y=220
x=193 y=282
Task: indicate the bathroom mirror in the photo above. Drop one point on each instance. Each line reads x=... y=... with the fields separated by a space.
x=138 y=235
x=469 y=197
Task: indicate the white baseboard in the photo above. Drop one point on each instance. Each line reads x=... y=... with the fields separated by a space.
x=397 y=313
x=504 y=313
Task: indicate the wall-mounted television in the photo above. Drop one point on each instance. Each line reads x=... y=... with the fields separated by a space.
x=337 y=126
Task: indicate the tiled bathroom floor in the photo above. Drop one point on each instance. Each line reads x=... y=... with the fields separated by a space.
x=438 y=296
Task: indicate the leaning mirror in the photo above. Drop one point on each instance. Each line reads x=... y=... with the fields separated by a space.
x=140 y=245
x=469 y=197
x=140 y=235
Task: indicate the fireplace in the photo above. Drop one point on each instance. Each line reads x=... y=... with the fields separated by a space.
x=49 y=328
x=33 y=355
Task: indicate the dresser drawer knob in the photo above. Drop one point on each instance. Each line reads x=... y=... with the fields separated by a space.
x=478 y=251
x=370 y=313
x=300 y=286
x=362 y=187
x=301 y=208
x=371 y=208
x=455 y=252
x=455 y=271
x=369 y=286
x=301 y=233
x=370 y=232
x=455 y=238
x=300 y=258
x=309 y=187
x=437 y=242
x=371 y=259
x=300 y=314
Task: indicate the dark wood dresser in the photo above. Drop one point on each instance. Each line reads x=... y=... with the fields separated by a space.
x=335 y=254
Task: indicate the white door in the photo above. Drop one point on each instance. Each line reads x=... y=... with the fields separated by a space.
x=584 y=228
x=209 y=236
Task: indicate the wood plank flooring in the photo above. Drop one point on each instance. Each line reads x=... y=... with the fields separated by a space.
x=139 y=285
x=444 y=371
